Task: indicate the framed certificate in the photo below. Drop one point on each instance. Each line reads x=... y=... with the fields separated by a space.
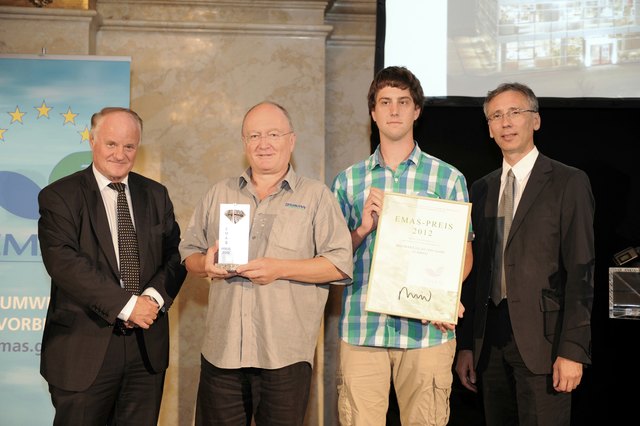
x=418 y=258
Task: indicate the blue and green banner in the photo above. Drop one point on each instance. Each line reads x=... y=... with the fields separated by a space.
x=46 y=103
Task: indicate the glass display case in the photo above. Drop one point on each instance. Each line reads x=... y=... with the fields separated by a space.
x=624 y=293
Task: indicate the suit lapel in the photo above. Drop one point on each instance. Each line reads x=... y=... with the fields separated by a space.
x=493 y=191
x=140 y=203
x=491 y=209
x=98 y=217
x=540 y=175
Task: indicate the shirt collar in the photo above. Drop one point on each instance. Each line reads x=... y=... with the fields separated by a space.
x=290 y=179
x=523 y=167
x=377 y=160
x=103 y=181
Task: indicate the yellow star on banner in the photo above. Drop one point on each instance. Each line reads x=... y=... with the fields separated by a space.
x=2 y=134
x=84 y=134
x=16 y=115
x=43 y=110
x=69 y=117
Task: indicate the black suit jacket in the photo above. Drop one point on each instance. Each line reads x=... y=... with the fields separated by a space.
x=549 y=260
x=86 y=296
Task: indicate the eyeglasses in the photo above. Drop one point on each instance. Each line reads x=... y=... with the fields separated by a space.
x=512 y=114
x=270 y=137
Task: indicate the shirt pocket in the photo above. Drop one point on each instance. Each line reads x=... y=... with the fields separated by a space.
x=292 y=236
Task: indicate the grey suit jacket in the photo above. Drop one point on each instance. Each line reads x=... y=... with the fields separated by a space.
x=86 y=296
x=549 y=262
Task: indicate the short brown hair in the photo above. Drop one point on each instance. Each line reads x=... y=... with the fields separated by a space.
x=399 y=77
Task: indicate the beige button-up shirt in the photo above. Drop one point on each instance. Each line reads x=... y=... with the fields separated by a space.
x=274 y=325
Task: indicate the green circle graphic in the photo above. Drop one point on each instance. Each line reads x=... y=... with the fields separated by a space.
x=70 y=164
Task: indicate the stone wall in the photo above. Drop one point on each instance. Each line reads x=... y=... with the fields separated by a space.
x=196 y=67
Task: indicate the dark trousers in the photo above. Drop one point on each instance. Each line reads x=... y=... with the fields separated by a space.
x=512 y=394
x=232 y=397
x=125 y=392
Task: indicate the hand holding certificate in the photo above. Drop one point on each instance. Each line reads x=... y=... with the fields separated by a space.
x=418 y=259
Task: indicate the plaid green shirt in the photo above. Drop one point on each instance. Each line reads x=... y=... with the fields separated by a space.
x=420 y=174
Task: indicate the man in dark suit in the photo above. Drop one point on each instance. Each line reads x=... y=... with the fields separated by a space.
x=526 y=329
x=105 y=348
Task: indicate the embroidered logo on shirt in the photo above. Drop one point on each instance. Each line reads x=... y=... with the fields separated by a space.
x=295 y=206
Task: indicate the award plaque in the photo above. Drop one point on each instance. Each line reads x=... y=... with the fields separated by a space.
x=418 y=259
x=233 y=242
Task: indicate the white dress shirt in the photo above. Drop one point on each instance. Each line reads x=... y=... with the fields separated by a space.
x=110 y=199
x=522 y=172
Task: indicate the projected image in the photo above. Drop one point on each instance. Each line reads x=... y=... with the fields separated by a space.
x=588 y=48
x=528 y=36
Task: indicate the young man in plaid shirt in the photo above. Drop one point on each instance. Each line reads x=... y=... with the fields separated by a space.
x=376 y=348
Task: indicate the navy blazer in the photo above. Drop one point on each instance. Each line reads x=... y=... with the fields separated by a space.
x=86 y=296
x=549 y=262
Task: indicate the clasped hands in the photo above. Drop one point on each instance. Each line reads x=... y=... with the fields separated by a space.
x=144 y=313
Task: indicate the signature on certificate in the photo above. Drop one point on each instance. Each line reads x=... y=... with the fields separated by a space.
x=404 y=291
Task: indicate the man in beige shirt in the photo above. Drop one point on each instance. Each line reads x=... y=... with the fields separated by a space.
x=264 y=317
